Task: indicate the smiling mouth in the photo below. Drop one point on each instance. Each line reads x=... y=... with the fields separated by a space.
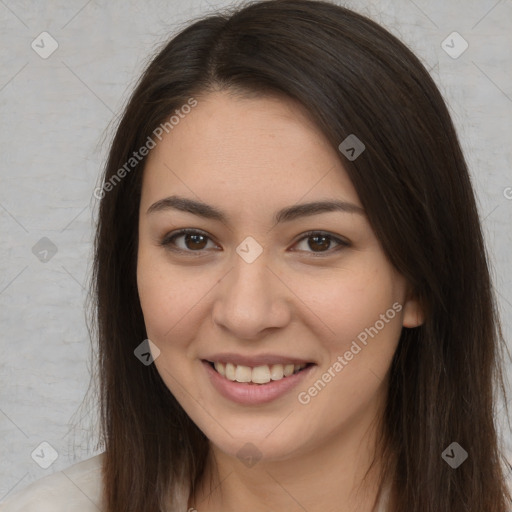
x=259 y=374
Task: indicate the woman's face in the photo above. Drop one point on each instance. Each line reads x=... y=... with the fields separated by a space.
x=263 y=290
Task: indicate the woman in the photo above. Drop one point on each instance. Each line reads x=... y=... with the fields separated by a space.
x=294 y=307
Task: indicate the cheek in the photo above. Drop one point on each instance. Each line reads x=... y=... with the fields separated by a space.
x=171 y=299
x=364 y=311
x=352 y=300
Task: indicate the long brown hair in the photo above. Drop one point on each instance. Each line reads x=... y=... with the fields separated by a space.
x=353 y=77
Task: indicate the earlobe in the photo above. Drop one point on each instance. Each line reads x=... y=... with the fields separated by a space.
x=413 y=314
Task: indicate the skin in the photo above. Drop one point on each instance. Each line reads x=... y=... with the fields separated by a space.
x=250 y=158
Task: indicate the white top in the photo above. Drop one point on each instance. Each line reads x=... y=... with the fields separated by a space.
x=80 y=485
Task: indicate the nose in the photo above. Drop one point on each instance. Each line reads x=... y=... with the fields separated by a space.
x=251 y=299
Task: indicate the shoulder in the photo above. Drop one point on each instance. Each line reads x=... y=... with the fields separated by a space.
x=508 y=456
x=77 y=487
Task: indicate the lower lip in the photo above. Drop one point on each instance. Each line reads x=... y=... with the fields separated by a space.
x=254 y=394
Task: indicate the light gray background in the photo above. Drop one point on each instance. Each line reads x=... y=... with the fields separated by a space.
x=57 y=115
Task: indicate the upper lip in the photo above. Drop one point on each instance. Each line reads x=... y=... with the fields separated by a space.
x=258 y=360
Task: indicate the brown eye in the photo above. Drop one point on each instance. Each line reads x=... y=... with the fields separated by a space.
x=193 y=241
x=319 y=242
x=189 y=241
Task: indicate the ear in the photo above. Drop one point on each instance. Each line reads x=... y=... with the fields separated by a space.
x=413 y=314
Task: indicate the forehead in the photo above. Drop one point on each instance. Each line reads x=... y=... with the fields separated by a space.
x=248 y=152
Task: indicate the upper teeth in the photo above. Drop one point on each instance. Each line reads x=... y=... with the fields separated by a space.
x=259 y=374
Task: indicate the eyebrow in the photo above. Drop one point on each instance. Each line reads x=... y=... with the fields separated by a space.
x=285 y=215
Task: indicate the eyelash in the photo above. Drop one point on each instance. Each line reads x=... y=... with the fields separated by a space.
x=168 y=243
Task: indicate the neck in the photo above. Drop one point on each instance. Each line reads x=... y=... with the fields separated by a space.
x=336 y=475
